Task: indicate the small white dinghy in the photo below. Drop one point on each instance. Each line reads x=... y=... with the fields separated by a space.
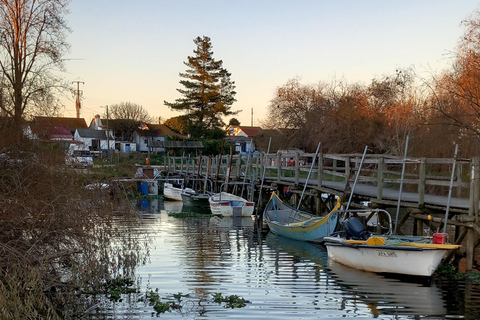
x=382 y=254
x=172 y=191
x=230 y=205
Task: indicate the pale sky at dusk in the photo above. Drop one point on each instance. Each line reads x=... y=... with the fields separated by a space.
x=134 y=50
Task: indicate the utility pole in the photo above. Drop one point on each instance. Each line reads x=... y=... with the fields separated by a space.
x=78 y=93
x=108 y=138
x=251 y=122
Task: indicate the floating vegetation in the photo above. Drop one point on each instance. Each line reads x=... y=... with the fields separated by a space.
x=114 y=288
x=161 y=307
x=232 y=301
x=188 y=214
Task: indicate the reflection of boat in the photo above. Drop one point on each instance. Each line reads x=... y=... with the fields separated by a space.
x=173 y=206
x=191 y=198
x=233 y=222
x=299 y=249
x=230 y=205
x=386 y=296
x=172 y=191
x=289 y=222
x=383 y=254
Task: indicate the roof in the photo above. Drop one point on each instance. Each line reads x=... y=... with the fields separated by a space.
x=51 y=132
x=91 y=133
x=248 y=131
x=72 y=123
x=178 y=144
x=251 y=131
x=167 y=131
x=158 y=130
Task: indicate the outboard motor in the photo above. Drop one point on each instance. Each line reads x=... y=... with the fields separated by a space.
x=354 y=229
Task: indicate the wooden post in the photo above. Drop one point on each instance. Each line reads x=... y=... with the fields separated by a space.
x=279 y=166
x=347 y=172
x=181 y=163
x=380 y=170
x=419 y=227
x=297 y=169
x=473 y=210
x=239 y=164
x=459 y=180
x=421 y=182
x=319 y=174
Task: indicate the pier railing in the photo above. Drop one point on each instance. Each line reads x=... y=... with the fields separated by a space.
x=423 y=176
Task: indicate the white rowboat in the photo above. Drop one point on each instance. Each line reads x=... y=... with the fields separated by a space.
x=171 y=192
x=376 y=255
x=230 y=205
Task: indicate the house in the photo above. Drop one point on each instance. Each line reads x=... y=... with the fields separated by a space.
x=94 y=140
x=242 y=137
x=56 y=134
x=50 y=133
x=72 y=123
x=147 y=136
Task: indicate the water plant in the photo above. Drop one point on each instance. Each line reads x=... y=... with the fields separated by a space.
x=188 y=214
x=232 y=301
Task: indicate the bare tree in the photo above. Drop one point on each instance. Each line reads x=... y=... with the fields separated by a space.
x=128 y=117
x=455 y=95
x=32 y=43
x=129 y=111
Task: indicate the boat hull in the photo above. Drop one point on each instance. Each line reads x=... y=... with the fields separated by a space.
x=298 y=225
x=386 y=259
x=197 y=200
x=229 y=205
x=314 y=230
x=172 y=193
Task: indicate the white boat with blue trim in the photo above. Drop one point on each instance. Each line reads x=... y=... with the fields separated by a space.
x=229 y=205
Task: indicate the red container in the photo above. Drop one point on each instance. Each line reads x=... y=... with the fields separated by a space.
x=439 y=238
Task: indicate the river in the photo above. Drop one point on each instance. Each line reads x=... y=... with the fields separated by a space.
x=191 y=259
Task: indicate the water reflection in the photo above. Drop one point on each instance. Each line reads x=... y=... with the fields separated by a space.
x=283 y=278
x=388 y=296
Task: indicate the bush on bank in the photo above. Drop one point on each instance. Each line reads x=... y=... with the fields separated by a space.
x=57 y=238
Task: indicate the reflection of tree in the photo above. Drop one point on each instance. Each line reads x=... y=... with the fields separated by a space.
x=215 y=248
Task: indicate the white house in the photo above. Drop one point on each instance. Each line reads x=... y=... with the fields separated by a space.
x=242 y=137
x=94 y=140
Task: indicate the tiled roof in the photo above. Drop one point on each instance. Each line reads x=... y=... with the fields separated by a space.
x=51 y=132
x=158 y=130
x=94 y=134
x=250 y=131
x=72 y=123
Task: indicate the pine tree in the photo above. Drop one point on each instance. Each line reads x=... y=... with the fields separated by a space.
x=208 y=92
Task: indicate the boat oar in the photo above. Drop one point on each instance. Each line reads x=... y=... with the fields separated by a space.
x=401 y=185
x=450 y=189
x=308 y=177
x=356 y=179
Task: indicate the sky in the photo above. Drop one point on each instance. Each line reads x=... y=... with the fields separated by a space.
x=125 y=50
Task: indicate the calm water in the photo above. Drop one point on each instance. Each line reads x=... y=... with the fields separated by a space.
x=282 y=279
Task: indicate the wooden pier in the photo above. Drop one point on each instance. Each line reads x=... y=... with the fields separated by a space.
x=429 y=188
